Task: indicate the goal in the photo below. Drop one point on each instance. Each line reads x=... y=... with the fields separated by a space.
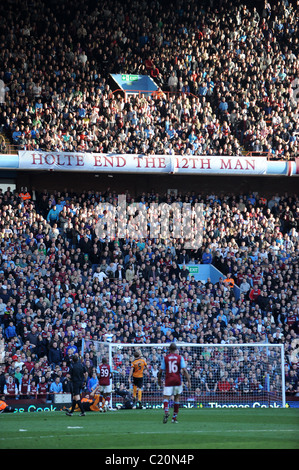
x=222 y=375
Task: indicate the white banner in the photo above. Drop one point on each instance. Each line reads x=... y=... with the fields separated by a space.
x=127 y=163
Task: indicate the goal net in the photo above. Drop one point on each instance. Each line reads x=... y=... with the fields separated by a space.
x=222 y=375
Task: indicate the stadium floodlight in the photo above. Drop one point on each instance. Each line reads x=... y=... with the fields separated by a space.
x=249 y=375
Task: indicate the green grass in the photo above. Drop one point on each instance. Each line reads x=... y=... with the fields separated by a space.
x=143 y=429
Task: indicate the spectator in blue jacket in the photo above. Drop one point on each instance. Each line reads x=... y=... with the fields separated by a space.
x=10 y=331
x=55 y=354
x=53 y=215
x=206 y=257
x=92 y=382
x=56 y=387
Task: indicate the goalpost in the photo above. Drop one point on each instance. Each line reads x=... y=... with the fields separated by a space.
x=222 y=375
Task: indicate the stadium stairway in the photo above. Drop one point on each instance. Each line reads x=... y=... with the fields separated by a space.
x=8 y=146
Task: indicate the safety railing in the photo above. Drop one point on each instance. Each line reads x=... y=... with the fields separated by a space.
x=25 y=396
x=257 y=154
x=13 y=150
x=154 y=93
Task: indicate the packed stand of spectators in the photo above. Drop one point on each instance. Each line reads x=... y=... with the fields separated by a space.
x=60 y=283
x=226 y=70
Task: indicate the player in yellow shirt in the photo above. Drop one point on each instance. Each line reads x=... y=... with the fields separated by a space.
x=138 y=367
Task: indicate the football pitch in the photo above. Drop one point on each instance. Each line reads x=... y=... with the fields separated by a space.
x=143 y=429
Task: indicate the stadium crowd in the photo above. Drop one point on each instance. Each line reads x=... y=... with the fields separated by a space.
x=227 y=74
x=225 y=71
x=60 y=283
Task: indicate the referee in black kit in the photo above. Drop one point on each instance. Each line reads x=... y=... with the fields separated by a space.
x=78 y=376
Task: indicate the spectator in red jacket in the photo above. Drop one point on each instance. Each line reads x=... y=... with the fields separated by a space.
x=255 y=293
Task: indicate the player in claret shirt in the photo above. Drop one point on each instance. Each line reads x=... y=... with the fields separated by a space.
x=173 y=366
x=104 y=386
